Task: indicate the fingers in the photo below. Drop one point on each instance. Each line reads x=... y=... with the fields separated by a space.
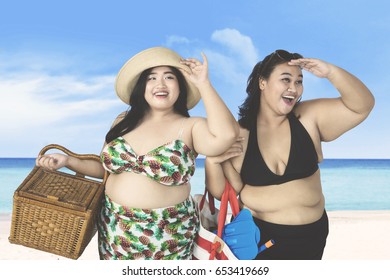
x=47 y=162
x=205 y=61
x=240 y=139
x=233 y=151
x=315 y=66
x=193 y=62
x=184 y=72
x=236 y=149
x=301 y=62
x=306 y=63
x=44 y=161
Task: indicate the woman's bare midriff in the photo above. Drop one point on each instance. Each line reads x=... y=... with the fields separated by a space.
x=296 y=202
x=138 y=191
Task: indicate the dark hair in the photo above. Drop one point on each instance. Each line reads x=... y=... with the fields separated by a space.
x=249 y=109
x=139 y=106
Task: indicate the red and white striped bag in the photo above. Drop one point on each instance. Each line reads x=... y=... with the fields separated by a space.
x=209 y=245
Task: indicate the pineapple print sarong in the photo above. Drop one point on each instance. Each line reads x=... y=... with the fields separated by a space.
x=147 y=234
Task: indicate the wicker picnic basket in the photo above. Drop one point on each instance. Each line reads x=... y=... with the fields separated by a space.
x=56 y=211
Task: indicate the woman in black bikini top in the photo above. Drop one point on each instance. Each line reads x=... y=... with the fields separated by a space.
x=273 y=166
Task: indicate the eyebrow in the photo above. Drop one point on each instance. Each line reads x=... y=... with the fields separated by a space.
x=286 y=73
x=167 y=72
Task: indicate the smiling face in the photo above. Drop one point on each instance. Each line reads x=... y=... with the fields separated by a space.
x=162 y=88
x=283 y=88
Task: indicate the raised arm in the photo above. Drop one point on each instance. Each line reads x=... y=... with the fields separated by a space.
x=335 y=116
x=213 y=135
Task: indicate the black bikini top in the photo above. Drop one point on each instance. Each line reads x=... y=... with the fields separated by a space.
x=302 y=162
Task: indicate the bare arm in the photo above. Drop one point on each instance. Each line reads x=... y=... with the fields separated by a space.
x=213 y=135
x=215 y=178
x=335 y=116
x=219 y=168
x=88 y=167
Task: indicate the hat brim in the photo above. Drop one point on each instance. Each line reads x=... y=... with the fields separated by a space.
x=149 y=58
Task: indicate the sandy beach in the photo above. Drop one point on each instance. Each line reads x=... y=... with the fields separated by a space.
x=354 y=235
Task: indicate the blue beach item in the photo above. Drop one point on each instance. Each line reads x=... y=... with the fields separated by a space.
x=242 y=236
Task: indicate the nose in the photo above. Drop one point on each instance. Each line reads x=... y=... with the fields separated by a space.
x=292 y=88
x=161 y=82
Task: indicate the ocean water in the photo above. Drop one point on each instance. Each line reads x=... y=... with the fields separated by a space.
x=348 y=184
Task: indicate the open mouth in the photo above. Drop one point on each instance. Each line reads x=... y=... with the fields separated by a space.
x=161 y=94
x=288 y=99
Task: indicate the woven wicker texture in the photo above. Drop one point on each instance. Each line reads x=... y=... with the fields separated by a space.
x=55 y=211
x=60 y=188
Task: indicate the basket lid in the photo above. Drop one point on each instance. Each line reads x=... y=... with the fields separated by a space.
x=59 y=188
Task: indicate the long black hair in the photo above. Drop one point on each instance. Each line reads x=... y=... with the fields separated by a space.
x=139 y=107
x=249 y=109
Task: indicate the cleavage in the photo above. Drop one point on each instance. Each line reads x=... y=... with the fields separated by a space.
x=275 y=147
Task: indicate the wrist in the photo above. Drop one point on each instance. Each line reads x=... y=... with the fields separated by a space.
x=212 y=160
x=333 y=72
x=204 y=85
x=69 y=161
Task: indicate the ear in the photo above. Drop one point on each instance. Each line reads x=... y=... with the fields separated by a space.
x=262 y=83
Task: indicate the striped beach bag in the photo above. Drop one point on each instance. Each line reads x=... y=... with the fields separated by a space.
x=208 y=243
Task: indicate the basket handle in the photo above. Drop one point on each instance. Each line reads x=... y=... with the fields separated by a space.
x=70 y=153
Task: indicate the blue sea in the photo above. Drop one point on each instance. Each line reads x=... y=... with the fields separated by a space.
x=348 y=184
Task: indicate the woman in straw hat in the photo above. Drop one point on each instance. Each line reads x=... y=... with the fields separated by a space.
x=150 y=153
x=274 y=167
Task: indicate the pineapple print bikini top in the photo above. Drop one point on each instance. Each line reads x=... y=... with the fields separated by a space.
x=171 y=164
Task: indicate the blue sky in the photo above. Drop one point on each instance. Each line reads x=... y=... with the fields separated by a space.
x=59 y=59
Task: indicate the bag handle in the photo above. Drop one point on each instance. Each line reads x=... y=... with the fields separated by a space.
x=210 y=199
x=229 y=197
x=70 y=153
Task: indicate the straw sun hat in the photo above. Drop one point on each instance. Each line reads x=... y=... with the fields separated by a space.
x=153 y=57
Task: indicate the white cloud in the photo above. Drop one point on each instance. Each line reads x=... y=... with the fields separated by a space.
x=237 y=43
x=233 y=63
x=40 y=109
x=33 y=100
x=226 y=68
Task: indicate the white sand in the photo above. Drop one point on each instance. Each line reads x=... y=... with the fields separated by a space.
x=354 y=235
